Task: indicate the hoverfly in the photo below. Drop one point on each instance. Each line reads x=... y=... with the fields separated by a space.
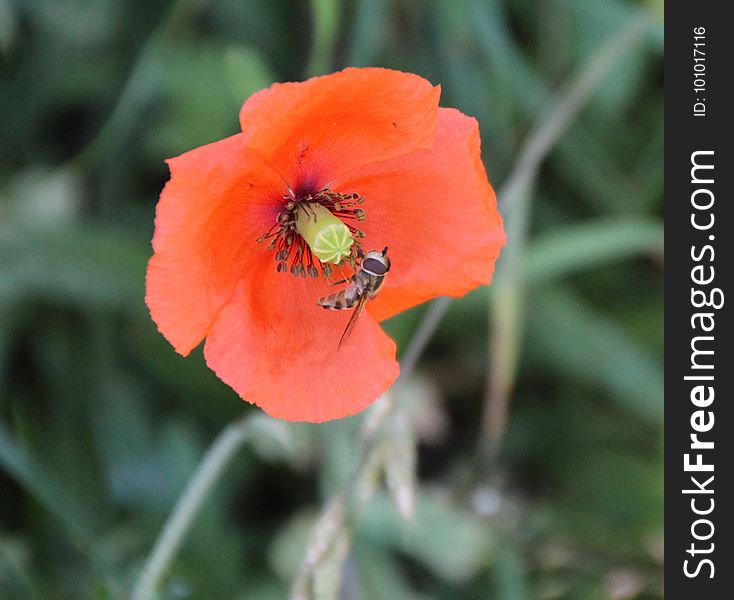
x=363 y=285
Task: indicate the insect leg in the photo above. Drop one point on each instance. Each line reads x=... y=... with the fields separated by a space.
x=343 y=275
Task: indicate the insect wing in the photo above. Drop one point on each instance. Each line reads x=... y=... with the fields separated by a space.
x=353 y=319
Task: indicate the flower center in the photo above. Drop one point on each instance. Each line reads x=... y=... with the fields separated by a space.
x=314 y=232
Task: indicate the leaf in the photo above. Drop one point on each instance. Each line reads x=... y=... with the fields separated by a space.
x=41 y=484
x=339 y=453
x=447 y=539
x=380 y=576
x=271 y=438
x=510 y=578
x=16 y=579
x=90 y=267
x=123 y=436
x=200 y=104
x=577 y=341
x=505 y=57
x=326 y=15
x=287 y=549
x=368 y=36
x=8 y=27
x=246 y=71
x=586 y=245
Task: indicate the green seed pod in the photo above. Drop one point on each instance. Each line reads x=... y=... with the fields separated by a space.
x=329 y=239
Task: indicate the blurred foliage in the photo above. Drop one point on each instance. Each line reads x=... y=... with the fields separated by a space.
x=101 y=423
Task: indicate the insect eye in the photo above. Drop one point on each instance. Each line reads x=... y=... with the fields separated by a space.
x=374 y=266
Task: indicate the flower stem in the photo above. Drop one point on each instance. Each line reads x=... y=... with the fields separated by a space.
x=188 y=506
x=330 y=537
x=425 y=330
x=507 y=297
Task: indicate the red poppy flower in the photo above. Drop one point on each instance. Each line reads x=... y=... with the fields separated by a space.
x=372 y=153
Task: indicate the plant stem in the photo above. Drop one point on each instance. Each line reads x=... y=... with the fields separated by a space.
x=426 y=328
x=507 y=299
x=188 y=506
x=387 y=404
x=330 y=537
x=325 y=15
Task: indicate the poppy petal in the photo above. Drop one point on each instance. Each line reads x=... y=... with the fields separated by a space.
x=436 y=211
x=278 y=349
x=313 y=131
x=216 y=204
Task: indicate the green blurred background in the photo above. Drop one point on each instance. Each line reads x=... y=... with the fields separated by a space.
x=102 y=423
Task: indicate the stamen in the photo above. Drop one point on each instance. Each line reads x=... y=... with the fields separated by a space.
x=314 y=232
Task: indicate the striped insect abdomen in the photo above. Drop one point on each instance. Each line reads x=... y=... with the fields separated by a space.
x=343 y=300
